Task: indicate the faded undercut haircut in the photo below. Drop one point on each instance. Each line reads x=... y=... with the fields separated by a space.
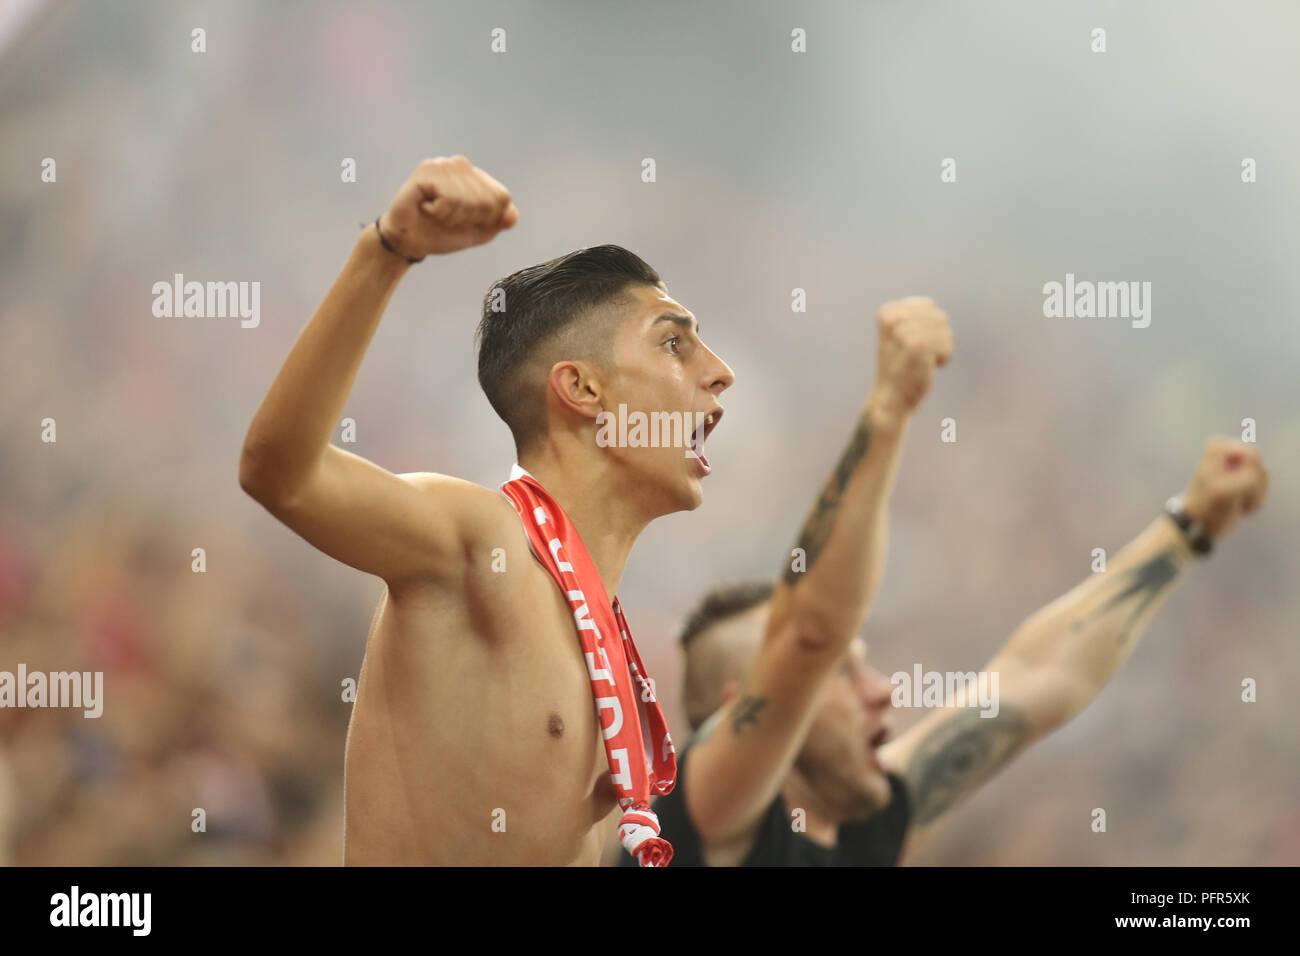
x=708 y=668
x=535 y=317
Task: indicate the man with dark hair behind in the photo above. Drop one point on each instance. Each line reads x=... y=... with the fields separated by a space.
x=474 y=738
x=796 y=765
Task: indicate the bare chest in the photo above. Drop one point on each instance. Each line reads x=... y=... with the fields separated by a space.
x=481 y=706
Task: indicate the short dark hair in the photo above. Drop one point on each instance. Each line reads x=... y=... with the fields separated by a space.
x=724 y=601
x=709 y=666
x=540 y=302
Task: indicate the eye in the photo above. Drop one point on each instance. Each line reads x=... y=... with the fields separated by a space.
x=673 y=344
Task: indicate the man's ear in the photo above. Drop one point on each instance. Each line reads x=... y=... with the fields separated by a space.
x=577 y=387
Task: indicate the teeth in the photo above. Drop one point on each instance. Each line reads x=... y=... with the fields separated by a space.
x=709 y=420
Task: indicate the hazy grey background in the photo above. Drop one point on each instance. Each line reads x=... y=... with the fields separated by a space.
x=776 y=170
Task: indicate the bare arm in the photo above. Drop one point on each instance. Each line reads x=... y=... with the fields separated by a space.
x=1061 y=657
x=399 y=527
x=822 y=600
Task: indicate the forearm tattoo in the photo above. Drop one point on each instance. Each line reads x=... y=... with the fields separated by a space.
x=958 y=755
x=817 y=528
x=1145 y=583
x=746 y=712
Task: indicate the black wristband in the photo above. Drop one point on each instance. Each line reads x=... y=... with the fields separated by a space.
x=388 y=245
x=1196 y=534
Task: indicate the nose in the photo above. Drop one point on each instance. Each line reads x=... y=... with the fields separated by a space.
x=878 y=691
x=720 y=376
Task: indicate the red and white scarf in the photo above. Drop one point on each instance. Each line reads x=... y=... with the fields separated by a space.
x=614 y=667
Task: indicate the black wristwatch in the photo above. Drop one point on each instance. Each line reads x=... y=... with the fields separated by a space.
x=1196 y=534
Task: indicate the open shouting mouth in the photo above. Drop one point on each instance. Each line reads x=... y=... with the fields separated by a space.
x=707 y=422
x=875 y=742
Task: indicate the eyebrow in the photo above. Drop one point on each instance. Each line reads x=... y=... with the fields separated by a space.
x=683 y=321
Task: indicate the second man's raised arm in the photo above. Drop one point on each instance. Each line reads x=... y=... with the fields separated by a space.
x=742 y=756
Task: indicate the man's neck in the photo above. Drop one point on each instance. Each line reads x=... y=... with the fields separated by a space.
x=821 y=823
x=607 y=515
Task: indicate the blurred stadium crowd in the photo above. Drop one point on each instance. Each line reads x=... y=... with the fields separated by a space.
x=223 y=688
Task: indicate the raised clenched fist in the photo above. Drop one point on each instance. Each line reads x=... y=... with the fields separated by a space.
x=1229 y=482
x=448 y=204
x=915 y=339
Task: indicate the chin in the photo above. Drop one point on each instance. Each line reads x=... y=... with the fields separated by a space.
x=684 y=502
x=694 y=495
x=871 y=794
x=685 y=495
x=880 y=789
x=694 y=487
x=676 y=497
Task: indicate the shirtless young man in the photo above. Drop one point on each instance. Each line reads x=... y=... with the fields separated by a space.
x=474 y=739
x=802 y=722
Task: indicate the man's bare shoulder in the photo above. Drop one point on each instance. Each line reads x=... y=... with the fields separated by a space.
x=502 y=586
x=491 y=536
x=480 y=511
